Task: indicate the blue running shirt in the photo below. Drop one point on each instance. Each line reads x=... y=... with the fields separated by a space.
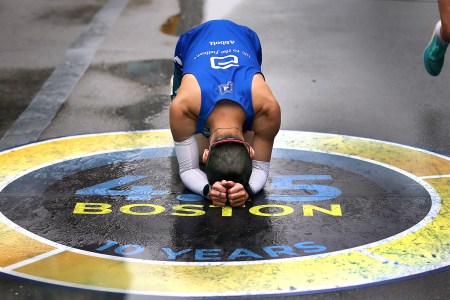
x=223 y=56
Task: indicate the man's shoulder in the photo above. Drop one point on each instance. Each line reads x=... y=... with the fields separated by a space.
x=261 y=94
x=189 y=94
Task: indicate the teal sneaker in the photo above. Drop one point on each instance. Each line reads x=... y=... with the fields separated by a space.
x=433 y=57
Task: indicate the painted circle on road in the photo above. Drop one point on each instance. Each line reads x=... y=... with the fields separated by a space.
x=108 y=212
x=124 y=204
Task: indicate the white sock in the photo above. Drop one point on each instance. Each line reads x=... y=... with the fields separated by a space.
x=437 y=34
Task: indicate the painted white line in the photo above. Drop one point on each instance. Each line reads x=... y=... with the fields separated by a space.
x=387 y=261
x=435 y=176
x=33 y=259
x=55 y=91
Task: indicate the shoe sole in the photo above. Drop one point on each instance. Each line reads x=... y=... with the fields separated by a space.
x=425 y=55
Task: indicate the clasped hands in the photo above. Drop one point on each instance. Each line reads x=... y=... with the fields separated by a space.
x=223 y=191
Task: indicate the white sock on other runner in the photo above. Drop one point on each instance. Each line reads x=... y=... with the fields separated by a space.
x=437 y=34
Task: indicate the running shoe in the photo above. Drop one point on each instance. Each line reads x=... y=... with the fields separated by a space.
x=433 y=57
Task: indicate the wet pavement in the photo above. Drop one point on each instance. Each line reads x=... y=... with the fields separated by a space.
x=350 y=68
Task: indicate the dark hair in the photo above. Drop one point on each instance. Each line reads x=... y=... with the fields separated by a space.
x=229 y=161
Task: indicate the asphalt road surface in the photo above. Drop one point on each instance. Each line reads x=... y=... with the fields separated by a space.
x=348 y=67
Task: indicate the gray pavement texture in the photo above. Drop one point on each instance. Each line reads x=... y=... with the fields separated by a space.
x=351 y=67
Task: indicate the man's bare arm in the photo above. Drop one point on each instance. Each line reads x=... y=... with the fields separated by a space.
x=265 y=127
x=266 y=123
x=184 y=109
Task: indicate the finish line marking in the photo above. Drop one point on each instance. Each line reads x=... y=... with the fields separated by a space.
x=55 y=91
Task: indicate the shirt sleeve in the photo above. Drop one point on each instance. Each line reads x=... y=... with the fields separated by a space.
x=258 y=48
x=256 y=43
x=178 y=55
x=178 y=66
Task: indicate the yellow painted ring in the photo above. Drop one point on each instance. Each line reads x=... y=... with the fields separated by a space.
x=425 y=248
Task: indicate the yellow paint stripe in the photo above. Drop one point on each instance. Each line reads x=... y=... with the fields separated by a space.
x=429 y=246
x=16 y=247
x=22 y=159
x=190 y=279
x=411 y=160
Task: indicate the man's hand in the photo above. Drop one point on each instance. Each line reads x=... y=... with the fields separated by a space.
x=224 y=190
x=237 y=195
x=218 y=193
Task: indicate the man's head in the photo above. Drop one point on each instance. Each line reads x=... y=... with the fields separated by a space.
x=230 y=159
